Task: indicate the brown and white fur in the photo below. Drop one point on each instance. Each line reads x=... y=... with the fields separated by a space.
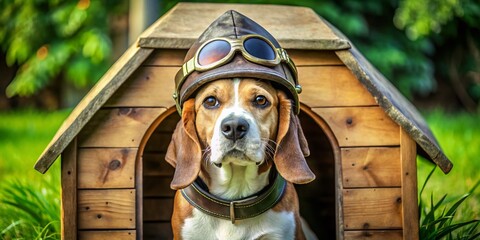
x=265 y=132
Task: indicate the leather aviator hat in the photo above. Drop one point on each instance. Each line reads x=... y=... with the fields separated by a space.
x=234 y=46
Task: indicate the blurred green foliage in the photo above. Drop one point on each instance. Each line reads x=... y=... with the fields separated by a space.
x=52 y=38
x=422 y=17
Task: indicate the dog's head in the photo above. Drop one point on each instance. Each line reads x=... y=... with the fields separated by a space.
x=242 y=122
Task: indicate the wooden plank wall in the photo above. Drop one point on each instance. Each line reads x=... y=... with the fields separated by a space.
x=317 y=199
x=157 y=195
x=108 y=151
x=369 y=175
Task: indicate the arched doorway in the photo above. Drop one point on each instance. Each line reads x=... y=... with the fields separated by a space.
x=317 y=199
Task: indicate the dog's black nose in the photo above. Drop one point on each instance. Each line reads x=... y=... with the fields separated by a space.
x=234 y=128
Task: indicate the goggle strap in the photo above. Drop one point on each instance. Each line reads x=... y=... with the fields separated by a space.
x=188 y=67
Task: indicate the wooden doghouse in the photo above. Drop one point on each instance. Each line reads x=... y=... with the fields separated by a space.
x=364 y=136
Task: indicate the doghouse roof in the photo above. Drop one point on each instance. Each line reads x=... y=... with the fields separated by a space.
x=293 y=27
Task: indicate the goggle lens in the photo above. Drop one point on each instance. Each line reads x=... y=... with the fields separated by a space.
x=213 y=52
x=259 y=48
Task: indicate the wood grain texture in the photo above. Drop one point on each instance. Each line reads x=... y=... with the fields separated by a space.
x=396 y=106
x=106 y=209
x=372 y=208
x=293 y=27
x=373 y=235
x=166 y=58
x=91 y=103
x=303 y=58
x=340 y=217
x=106 y=167
x=108 y=235
x=409 y=187
x=329 y=86
x=147 y=87
x=118 y=127
x=361 y=126
x=69 y=191
x=371 y=167
x=139 y=191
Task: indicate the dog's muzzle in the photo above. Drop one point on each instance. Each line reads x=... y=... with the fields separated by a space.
x=234 y=128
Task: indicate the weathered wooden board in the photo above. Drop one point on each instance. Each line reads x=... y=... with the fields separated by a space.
x=147 y=87
x=84 y=111
x=154 y=164
x=373 y=235
x=372 y=208
x=118 y=127
x=157 y=230
x=395 y=105
x=409 y=186
x=371 y=167
x=106 y=209
x=293 y=27
x=329 y=86
x=166 y=57
x=108 y=235
x=157 y=209
x=361 y=126
x=155 y=186
x=69 y=191
x=106 y=167
x=314 y=58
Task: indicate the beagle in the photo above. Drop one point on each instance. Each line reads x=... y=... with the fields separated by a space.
x=237 y=151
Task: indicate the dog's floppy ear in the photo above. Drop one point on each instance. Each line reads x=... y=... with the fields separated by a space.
x=184 y=152
x=292 y=147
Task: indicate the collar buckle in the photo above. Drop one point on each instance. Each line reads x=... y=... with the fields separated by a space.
x=232 y=206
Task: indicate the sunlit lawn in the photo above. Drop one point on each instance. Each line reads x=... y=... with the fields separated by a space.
x=459 y=137
x=24 y=135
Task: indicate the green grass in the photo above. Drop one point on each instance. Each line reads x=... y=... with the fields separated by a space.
x=30 y=201
x=459 y=137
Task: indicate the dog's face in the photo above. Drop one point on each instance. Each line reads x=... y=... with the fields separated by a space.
x=236 y=120
x=242 y=122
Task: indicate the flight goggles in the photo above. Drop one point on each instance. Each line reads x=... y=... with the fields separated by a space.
x=220 y=51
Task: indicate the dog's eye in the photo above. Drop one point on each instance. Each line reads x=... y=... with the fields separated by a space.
x=210 y=102
x=261 y=101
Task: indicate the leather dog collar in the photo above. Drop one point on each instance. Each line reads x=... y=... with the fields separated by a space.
x=238 y=209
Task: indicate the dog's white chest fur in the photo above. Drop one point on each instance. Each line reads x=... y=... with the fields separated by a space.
x=269 y=225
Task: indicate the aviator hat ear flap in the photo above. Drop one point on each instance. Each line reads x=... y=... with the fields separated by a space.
x=184 y=152
x=292 y=147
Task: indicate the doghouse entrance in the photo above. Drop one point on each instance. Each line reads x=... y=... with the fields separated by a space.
x=317 y=199
x=157 y=175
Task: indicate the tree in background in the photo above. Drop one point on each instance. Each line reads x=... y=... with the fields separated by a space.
x=428 y=48
x=52 y=38
x=453 y=27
